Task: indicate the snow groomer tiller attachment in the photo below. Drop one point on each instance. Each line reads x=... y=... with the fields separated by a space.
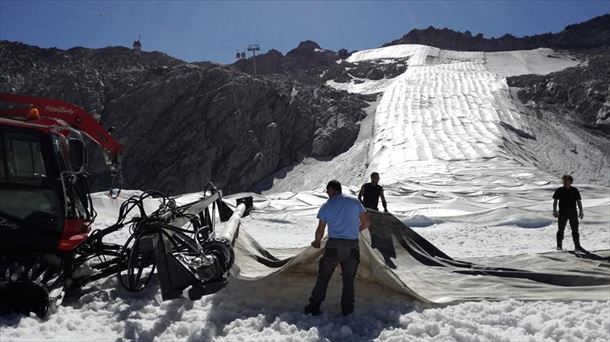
x=46 y=243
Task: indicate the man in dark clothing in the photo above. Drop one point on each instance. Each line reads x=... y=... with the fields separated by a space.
x=370 y=193
x=345 y=217
x=568 y=197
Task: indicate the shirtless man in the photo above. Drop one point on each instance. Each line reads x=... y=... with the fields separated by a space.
x=370 y=193
x=568 y=197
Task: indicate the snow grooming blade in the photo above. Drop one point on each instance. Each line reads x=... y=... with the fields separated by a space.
x=190 y=262
x=199 y=273
x=201 y=269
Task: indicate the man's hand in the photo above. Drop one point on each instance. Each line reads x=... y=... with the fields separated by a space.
x=581 y=215
x=555 y=213
x=365 y=221
x=319 y=234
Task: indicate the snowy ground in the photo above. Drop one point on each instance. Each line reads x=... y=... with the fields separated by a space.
x=270 y=309
x=458 y=164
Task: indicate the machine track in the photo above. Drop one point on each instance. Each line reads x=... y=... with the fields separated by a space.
x=31 y=285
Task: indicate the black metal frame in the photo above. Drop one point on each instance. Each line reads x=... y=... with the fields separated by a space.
x=190 y=259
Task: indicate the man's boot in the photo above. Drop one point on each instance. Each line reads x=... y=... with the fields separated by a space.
x=312 y=308
x=559 y=237
x=576 y=238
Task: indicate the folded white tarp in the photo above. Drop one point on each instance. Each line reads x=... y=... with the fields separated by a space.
x=395 y=256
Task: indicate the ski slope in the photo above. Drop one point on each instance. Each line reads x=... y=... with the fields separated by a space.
x=451 y=143
x=458 y=164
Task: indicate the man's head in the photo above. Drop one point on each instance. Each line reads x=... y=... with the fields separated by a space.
x=567 y=180
x=374 y=177
x=333 y=188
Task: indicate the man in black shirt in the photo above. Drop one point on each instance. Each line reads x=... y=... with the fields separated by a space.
x=568 y=197
x=370 y=193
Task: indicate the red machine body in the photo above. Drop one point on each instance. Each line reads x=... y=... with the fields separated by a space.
x=53 y=128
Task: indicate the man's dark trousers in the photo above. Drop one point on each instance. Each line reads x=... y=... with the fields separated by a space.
x=346 y=253
x=562 y=220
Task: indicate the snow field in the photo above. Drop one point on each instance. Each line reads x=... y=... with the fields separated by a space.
x=505 y=321
x=271 y=309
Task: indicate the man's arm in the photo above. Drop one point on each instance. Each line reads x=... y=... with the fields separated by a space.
x=365 y=221
x=555 y=208
x=361 y=193
x=383 y=202
x=581 y=214
x=319 y=234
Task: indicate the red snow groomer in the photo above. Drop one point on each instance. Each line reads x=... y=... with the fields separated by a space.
x=46 y=212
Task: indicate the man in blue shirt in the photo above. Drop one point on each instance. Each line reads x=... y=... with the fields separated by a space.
x=345 y=217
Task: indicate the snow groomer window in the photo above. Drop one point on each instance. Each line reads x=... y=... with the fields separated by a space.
x=23 y=160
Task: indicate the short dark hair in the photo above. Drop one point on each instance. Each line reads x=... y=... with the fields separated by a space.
x=335 y=185
x=568 y=177
x=374 y=174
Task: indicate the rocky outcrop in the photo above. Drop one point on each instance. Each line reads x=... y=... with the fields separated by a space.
x=590 y=34
x=306 y=56
x=603 y=115
x=272 y=62
x=582 y=91
x=345 y=71
x=184 y=124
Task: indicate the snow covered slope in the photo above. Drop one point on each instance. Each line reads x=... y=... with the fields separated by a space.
x=451 y=143
x=508 y=63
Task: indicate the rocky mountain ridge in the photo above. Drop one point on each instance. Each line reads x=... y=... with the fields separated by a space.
x=591 y=34
x=184 y=124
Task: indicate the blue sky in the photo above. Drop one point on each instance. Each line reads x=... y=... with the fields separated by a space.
x=214 y=30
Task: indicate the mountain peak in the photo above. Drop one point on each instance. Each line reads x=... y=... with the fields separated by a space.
x=305 y=47
x=590 y=34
